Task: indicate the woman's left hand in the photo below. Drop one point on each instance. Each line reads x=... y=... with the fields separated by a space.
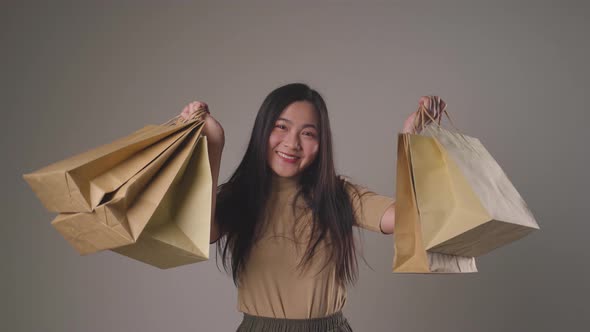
x=434 y=105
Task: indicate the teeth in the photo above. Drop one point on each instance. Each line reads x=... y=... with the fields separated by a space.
x=285 y=156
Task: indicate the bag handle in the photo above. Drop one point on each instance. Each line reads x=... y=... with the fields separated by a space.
x=179 y=120
x=423 y=112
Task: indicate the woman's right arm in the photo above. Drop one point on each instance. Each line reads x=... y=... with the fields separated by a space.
x=215 y=142
x=213 y=130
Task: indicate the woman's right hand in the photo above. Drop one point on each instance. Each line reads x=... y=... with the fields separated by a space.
x=212 y=128
x=189 y=110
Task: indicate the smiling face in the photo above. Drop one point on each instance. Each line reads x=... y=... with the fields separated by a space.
x=294 y=143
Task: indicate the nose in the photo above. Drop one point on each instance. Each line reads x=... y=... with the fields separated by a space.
x=292 y=141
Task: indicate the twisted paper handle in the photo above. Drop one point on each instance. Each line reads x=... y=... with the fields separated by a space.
x=434 y=113
x=199 y=115
x=438 y=112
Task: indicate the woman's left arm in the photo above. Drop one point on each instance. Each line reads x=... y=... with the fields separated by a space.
x=387 y=224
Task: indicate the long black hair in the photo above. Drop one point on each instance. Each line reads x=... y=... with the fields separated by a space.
x=241 y=200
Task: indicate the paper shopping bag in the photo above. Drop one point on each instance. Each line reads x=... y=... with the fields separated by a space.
x=79 y=183
x=411 y=229
x=179 y=231
x=492 y=215
x=121 y=219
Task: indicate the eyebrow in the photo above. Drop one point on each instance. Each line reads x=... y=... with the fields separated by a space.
x=307 y=125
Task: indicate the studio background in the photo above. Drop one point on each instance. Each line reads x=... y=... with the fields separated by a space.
x=78 y=74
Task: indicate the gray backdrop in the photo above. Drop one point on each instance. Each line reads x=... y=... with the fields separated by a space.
x=78 y=74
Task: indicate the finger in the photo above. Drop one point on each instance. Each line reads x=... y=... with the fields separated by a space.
x=194 y=106
x=423 y=101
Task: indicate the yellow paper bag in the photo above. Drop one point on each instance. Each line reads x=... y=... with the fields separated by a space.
x=485 y=211
x=178 y=233
x=413 y=227
x=79 y=183
x=121 y=219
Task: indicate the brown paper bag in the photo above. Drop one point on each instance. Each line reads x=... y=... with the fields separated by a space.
x=121 y=219
x=485 y=211
x=411 y=254
x=179 y=231
x=79 y=183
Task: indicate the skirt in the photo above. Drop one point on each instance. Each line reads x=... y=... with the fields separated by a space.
x=333 y=323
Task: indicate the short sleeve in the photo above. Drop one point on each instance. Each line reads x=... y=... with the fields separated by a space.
x=368 y=206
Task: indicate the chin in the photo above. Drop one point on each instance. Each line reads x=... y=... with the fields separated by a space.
x=286 y=174
x=283 y=173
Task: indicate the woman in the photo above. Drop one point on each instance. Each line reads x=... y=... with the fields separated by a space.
x=284 y=219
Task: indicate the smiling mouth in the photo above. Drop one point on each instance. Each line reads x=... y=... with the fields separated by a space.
x=286 y=156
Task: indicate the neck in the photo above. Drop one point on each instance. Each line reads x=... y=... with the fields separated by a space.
x=284 y=184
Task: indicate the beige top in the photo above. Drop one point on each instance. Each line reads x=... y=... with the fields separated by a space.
x=272 y=285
